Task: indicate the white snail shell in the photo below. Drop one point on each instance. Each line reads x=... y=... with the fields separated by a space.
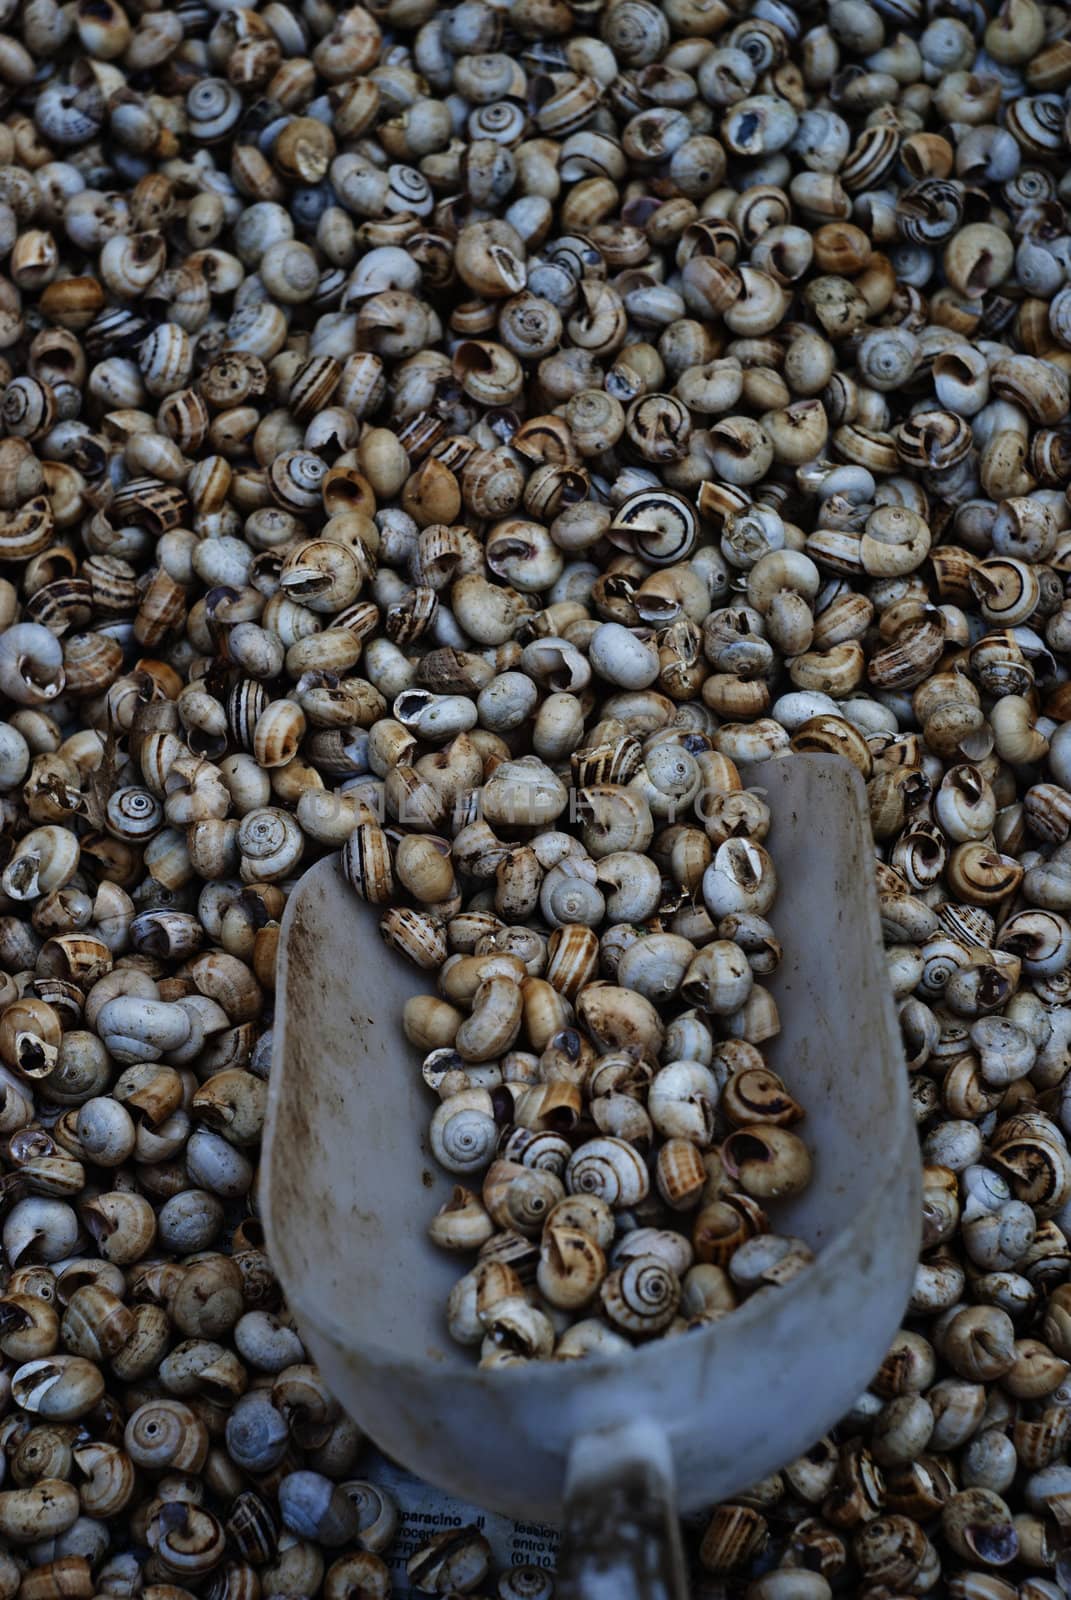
x=464 y=1133
x=609 y=1169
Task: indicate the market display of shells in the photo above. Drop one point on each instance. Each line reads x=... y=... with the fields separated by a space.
x=470 y=438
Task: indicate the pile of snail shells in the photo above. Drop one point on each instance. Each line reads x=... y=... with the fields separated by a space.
x=397 y=396
x=591 y=1120
x=624 y=1157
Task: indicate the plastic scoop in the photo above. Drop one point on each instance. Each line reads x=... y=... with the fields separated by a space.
x=611 y=1448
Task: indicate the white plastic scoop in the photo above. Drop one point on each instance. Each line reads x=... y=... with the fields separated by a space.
x=609 y=1447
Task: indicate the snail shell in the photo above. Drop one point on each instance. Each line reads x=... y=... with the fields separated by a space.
x=545 y=1151
x=377 y=1514
x=62 y=1387
x=166 y=1434
x=610 y=1170
x=464 y=1133
x=187 y=1539
x=457 y=1559
x=682 y=1102
x=680 y=1174
x=213 y=107
x=666 y=1245
x=526 y=1583
x=366 y=863
x=656 y=524
x=571 y=1268
x=641 y=1298
x=251 y=1528
x=520 y=1197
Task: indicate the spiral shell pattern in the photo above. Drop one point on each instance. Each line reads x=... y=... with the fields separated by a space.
x=134 y=813
x=609 y=1169
x=213 y=106
x=660 y=526
x=642 y=1296
x=464 y=1133
x=166 y=1434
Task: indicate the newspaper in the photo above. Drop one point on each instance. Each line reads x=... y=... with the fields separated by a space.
x=425 y=1511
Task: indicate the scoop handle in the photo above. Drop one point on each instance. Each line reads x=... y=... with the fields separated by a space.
x=621 y=1535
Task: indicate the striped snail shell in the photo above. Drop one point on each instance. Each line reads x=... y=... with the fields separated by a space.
x=513 y=1250
x=116 y=331
x=680 y=1175
x=166 y=1435
x=162 y=608
x=1036 y=122
x=70 y=958
x=189 y=298
x=1038 y=386
x=360 y=619
x=28 y=408
x=569 y=107
x=520 y=1197
x=873 y=155
x=213 y=107
x=150 y=503
x=408 y=190
x=411 y=617
x=313 y=387
x=271 y=844
x=656 y=524
x=91 y=661
x=942 y=958
x=323 y=575
x=278 y=733
x=459 y=1558
x=933 y=439
x=1041 y=940
x=168 y=934
x=129 y=263
x=185 y=1538
x=107 y=1479
x=541 y=1150
x=929 y=211
x=246 y=704
x=296 y=479
x=67 y=603
x=757 y=1094
x=376 y=1512
x=166 y=359
x=415 y=935
x=504 y=121
x=1007 y=590
x=659 y=426
x=183 y=417
x=251 y=1528
x=642 y=1296
x=611 y=1170
x=615 y=762
x=367 y=865
x=258 y=330
x=28 y=530
x=134 y=813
